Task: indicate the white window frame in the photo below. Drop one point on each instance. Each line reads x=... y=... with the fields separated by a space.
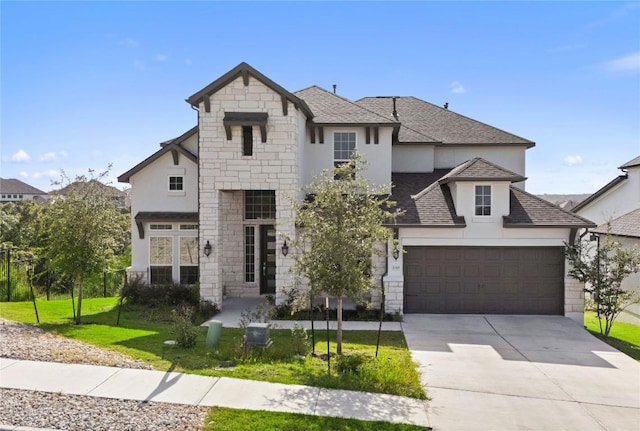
x=482 y=205
x=355 y=146
x=180 y=190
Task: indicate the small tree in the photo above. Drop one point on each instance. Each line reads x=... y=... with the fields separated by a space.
x=341 y=223
x=603 y=270
x=83 y=228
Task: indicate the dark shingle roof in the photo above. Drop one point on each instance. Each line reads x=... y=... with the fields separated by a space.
x=527 y=210
x=15 y=186
x=329 y=108
x=166 y=216
x=479 y=169
x=625 y=225
x=631 y=163
x=429 y=123
x=425 y=202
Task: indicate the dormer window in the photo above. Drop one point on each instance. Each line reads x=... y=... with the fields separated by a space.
x=483 y=201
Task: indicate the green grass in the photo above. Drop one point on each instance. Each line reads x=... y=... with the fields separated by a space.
x=623 y=336
x=142 y=333
x=222 y=419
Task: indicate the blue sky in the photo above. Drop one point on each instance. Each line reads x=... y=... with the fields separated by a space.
x=85 y=84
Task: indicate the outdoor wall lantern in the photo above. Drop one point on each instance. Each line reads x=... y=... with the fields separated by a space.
x=285 y=248
x=396 y=252
x=207 y=249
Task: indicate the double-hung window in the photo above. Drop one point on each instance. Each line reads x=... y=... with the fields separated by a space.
x=344 y=145
x=161 y=259
x=483 y=201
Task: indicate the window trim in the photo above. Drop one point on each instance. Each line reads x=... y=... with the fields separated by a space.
x=478 y=209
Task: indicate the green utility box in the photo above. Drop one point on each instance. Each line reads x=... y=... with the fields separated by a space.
x=214 y=333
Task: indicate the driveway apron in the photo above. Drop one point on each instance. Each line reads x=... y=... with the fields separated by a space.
x=490 y=372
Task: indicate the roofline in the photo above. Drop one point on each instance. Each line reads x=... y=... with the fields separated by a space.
x=531 y=225
x=325 y=124
x=587 y=223
x=244 y=69
x=611 y=184
x=427 y=225
x=614 y=234
x=124 y=178
x=631 y=163
x=180 y=139
x=454 y=179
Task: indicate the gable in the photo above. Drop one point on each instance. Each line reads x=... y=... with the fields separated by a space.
x=175 y=149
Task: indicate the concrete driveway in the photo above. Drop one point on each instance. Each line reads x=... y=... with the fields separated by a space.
x=521 y=373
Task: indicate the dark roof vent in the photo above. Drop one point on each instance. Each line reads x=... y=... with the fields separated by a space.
x=395 y=112
x=334 y=88
x=446 y=105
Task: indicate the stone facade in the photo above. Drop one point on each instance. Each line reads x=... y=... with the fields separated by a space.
x=224 y=169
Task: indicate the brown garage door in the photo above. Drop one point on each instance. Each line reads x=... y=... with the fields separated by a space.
x=493 y=280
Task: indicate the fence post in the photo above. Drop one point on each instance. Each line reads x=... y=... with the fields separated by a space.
x=8 y=275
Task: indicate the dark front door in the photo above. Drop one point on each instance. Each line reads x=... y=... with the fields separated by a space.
x=268 y=259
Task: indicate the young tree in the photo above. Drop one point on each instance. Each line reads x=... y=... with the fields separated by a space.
x=340 y=224
x=603 y=270
x=83 y=229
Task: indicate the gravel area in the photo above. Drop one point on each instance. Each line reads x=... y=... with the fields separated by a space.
x=73 y=412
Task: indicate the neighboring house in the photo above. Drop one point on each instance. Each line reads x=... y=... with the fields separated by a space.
x=119 y=197
x=214 y=204
x=618 y=204
x=13 y=190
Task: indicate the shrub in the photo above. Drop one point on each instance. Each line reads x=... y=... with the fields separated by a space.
x=137 y=292
x=351 y=364
x=183 y=330
x=300 y=340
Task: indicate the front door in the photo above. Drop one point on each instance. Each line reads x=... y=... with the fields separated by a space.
x=268 y=259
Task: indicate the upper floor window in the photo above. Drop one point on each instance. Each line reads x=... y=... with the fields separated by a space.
x=483 y=200
x=176 y=183
x=247 y=140
x=259 y=204
x=344 y=145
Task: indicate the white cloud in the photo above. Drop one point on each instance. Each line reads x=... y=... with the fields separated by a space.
x=138 y=64
x=53 y=156
x=21 y=156
x=457 y=88
x=161 y=57
x=24 y=174
x=49 y=173
x=130 y=42
x=573 y=160
x=627 y=63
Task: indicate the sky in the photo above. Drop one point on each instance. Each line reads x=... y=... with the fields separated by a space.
x=88 y=85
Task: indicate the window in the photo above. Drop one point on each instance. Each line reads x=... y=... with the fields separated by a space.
x=247 y=140
x=161 y=259
x=483 y=200
x=176 y=183
x=188 y=260
x=188 y=227
x=249 y=254
x=155 y=226
x=344 y=144
x=259 y=204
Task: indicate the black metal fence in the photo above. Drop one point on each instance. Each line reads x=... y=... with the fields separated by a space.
x=18 y=274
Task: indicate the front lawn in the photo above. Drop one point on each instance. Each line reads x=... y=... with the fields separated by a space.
x=222 y=419
x=142 y=333
x=623 y=336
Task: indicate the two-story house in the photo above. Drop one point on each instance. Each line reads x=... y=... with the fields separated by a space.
x=213 y=205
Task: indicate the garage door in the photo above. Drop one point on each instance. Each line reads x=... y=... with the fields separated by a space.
x=492 y=280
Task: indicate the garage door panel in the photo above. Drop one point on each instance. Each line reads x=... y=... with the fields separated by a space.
x=497 y=280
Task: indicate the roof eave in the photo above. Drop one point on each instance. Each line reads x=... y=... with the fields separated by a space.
x=124 y=178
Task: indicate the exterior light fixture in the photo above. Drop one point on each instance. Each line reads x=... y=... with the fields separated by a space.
x=207 y=249
x=396 y=252
x=285 y=248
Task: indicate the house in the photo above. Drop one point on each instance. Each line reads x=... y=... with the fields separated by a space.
x=213 y=205
x=14 y=190
x=615 y=208
x=118 y=197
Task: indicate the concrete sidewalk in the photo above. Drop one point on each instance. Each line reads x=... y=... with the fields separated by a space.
x=178 y=388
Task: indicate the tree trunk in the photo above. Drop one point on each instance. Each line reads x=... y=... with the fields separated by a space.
x=339 y=331
x=79 y=313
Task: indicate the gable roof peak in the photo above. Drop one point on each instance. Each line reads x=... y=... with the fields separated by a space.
x=631 y=163
x=245 y=70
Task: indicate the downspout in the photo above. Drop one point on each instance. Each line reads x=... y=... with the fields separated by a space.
x=198 y=173
x=386 y=271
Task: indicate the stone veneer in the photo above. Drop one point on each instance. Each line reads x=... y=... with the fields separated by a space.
x=223 y=169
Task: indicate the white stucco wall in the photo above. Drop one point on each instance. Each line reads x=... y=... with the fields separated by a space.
x=621 y=199
x=191 y=144
x=508 y=157
x=413 y=158
x=150 y=192
x=631 y=283
x=319 y=157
